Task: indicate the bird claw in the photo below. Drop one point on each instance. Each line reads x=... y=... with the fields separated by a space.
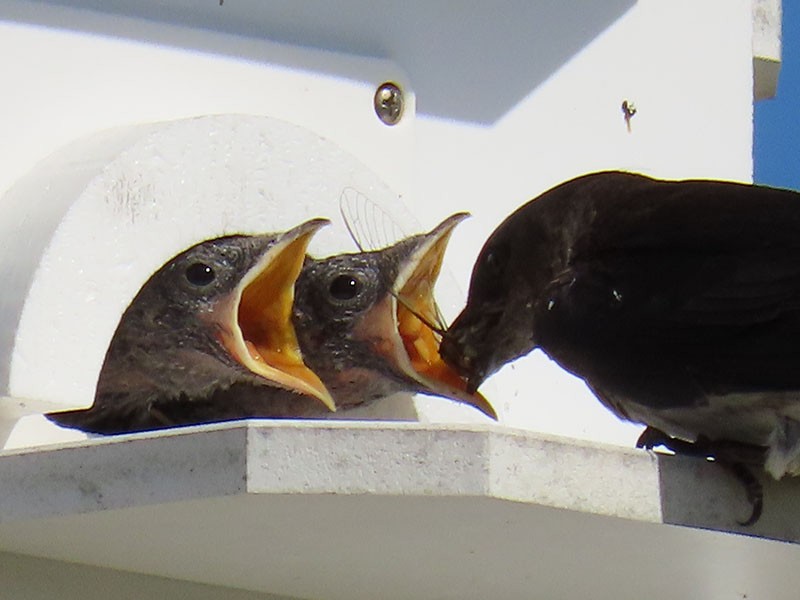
x=733 y=456
x=652 y=437
x=753 y=488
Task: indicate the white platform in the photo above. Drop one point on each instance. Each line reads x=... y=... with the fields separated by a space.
x=357 y=510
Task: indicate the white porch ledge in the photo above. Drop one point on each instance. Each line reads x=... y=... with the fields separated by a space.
x=367 y=510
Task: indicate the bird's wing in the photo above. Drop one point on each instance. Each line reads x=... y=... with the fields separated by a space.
x=711 y=288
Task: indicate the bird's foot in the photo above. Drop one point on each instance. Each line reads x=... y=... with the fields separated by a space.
x=753 y=489
x=652 y=437
x=733 y=456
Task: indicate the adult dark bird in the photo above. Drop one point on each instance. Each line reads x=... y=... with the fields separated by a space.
x=209 y=338
x=365 y=322
x=678 y=303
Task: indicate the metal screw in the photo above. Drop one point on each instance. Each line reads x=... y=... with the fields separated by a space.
x=388 y=103
x=628 y=110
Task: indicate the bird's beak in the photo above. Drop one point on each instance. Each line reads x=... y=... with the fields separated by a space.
x=407 y=340
x=259 y=333
x=458 y=350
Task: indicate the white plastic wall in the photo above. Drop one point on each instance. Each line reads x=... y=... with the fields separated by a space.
x=511 y=98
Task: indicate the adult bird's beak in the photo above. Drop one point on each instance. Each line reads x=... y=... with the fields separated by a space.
x=255 y=320
x=401 y=324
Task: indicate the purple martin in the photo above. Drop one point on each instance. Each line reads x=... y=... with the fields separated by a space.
x=209 y=338
x=367 y=322
x=677 y=302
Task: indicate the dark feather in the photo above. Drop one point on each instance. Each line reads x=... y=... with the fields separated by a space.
x=677 y=302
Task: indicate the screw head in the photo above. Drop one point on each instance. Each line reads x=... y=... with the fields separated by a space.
x=389 y=103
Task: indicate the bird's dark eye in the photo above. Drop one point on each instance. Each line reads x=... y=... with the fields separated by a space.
x=199 y=274
x=345 y=287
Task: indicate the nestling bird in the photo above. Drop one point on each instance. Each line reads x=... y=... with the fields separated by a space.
x=209 y=338
x=678 y=303
x=365 y=322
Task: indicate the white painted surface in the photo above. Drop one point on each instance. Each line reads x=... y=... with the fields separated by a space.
x=78 y=72
x=30 y=578
x=767 y=18
x=511 y=99
x=122 y=204
x=398 y=511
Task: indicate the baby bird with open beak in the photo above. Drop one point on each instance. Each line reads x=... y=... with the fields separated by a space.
x=363 y=321
x=208 y=338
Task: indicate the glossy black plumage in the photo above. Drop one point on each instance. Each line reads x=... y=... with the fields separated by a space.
x=678 y=303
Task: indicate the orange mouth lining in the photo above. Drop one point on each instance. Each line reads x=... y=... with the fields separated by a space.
x=265 y=310
x=421 y=343
x=422 y=346
x=260 y=333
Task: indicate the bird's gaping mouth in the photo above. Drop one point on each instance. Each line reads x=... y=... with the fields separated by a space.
x=414 y=317
x=259 y=333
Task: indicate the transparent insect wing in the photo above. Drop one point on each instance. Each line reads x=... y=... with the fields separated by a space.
x=371 y=227
x=439 y=319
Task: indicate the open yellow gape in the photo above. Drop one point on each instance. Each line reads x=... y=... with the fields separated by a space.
x=261 y=335
x=417 y=318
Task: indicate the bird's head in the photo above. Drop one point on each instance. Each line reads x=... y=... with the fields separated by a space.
x=505 y=295
x=217 y=313
x=367 y=322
